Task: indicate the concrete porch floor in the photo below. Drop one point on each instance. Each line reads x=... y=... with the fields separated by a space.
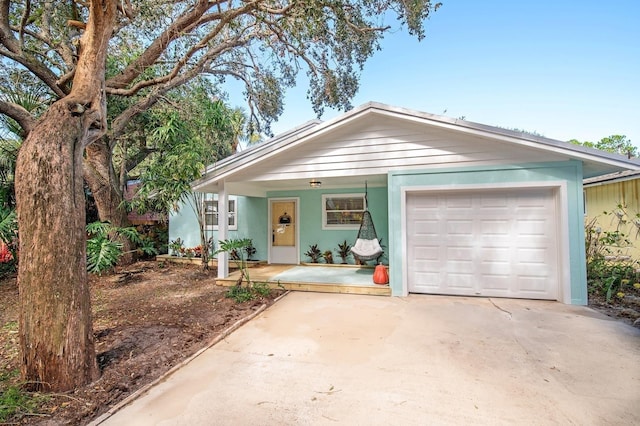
x=266 y=273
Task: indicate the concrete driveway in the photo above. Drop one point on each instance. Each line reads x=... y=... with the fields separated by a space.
x=326 y=359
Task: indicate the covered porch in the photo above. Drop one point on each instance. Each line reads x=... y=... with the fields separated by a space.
x=311 y=277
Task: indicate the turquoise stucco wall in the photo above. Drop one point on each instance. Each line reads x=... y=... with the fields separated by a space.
x=311 y=218
x=569 y=172
x=251 y=220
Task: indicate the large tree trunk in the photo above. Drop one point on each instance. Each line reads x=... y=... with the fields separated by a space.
x=56 y=334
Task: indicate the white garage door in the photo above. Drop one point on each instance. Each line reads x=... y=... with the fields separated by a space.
x=498 y=243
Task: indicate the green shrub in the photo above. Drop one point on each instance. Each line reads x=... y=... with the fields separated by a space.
x=104 y=246
x=262 y=289
x=244 y=294
x=16 y=403
x=609 y=269
x=607 y=277
x=240 y=294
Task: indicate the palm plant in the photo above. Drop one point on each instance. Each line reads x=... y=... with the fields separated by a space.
x=236 y=248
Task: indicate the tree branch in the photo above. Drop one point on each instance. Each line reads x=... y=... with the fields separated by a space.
x=6 y=36
x=23 y=22
x=19 y=114
x=159 y=45
x=39 y=70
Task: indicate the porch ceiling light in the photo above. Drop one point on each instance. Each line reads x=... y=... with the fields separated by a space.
x=315 y=183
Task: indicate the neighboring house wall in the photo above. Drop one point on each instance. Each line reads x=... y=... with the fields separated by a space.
x=606 y=197
x=569 y=173
x=139 y=218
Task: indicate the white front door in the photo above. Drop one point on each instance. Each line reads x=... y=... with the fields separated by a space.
x=498 y=243
x=283 y=239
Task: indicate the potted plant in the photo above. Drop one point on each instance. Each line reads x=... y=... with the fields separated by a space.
x=235 y=253
x=344 y=251
x=328 y=256
x=250 y=250
x=314 y=253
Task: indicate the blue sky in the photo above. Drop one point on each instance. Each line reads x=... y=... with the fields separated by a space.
x=565 y=69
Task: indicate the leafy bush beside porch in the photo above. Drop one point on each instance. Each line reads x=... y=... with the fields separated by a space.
x=611 y=271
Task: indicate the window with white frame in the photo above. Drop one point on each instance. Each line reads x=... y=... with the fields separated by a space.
x=342 y=211
x=211 y=213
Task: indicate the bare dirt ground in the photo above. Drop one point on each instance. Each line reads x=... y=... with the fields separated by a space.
x=148 y=317
x=623 y=305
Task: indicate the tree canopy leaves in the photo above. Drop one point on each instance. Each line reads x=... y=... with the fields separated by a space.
x=159 y=46
x=617 y=144
x=185 y=143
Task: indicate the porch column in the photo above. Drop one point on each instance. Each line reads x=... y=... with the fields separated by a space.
x=223 y=230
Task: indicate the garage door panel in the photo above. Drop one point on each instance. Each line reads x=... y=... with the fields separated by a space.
x=494 y=200
x=454 y=253
x=428 y=252
x=465 y=267
x=427 y=278
x=490 y=268
x=426 y=228
x=460 y=227
x=491 y=243
x=531 y=227
x=498 y=253
x=531 y=270
x=499 y=283
x=461 y=281
x=533 y=255
x=495 y=227
x=533 y=287
x=532 y=201
x=427 y=282
x=459 y=202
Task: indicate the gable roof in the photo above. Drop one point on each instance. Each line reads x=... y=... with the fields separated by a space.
x=370 y=140
x=612 y=177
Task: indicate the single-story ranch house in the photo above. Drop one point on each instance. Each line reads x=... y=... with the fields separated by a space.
x=461 y=208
